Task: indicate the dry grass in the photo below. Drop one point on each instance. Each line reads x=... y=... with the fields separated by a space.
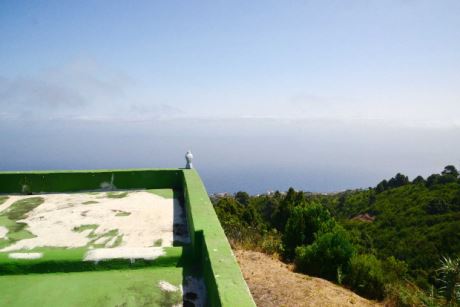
x=272 y=283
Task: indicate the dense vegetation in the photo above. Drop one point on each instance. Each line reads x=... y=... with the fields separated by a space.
x=391 y=241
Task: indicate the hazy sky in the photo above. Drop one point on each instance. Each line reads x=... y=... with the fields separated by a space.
x=320 y=95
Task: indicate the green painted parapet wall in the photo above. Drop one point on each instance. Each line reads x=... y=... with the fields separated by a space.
x=73 y=181
x=210 y=248
x=224 y=282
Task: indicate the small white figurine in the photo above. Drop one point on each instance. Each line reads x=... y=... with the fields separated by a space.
x=188 y=158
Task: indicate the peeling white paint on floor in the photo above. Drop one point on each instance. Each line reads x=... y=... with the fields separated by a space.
x=55 y=222
x=147 y=253
x=25 y=255
x=166 y=286
x=3 y=232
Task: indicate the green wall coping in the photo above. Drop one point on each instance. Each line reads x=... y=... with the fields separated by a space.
x=224 y=281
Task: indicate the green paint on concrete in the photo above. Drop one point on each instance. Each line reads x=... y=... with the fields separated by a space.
x=209 y=255
x=49 y=254
x=56 y=259
x=108 y=288
x=16 y=231
x=118 y=241
x=223 y=278
x=53 y=259
x=165 y=193
x=117 y=194
x=84 y=227
x=90 y=202
x=3 y=199
x=87 y=180
x=110 y=233
x=107 y=236
x=22 y=234
x=19 y=209
x=122 y=213
x=157 y=243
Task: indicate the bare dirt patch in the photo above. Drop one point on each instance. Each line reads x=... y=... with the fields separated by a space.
x=272 y=283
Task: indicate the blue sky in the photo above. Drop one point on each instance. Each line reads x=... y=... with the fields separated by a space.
x=235 y=71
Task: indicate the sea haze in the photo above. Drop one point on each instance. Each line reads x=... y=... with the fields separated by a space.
x=250 y=154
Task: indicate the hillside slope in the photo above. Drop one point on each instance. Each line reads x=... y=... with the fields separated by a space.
x=415 y=223
x=272 y=283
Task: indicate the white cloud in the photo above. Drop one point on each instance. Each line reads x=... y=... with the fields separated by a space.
x=82 y=89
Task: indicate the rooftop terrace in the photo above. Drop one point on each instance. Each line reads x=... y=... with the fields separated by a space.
x=145 y=237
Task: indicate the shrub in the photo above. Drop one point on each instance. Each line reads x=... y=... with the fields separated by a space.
x=242 y=237
x=271 y=243
x=366 y=276
x=330 y=253
x=409 y=295
x=304 y=224
x=394 y=269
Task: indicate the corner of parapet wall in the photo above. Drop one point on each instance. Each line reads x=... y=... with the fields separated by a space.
x=224 y=280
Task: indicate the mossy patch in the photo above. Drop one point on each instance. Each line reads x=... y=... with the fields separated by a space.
x=117 y=194
x=158 y=243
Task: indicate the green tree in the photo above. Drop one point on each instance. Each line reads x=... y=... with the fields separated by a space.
x=450 y=170
x=267 y=206
x=418 y=180
x=303 y=225
x=251 y=216
x=242 y=197
x=283 y=211
x=382 y=186
x=398 y=181
x=227 y=208
x=432 y=180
